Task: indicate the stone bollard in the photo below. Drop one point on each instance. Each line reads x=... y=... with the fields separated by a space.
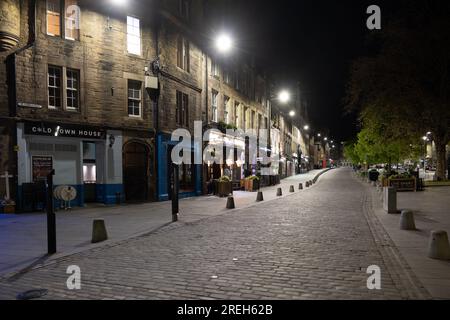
x=407 y=221
x=307 y=184
x=279 y=192
x=99 y=233
x=390 y=200
x=260 y=196
x=291 y=189
x=438 y=246
x=230 y=203
x=300 y=186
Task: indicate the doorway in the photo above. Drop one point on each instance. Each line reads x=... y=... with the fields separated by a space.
x=136 y=159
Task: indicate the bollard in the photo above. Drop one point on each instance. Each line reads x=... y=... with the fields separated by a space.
x=300 y=186
x=390 y=200
x=99 y=233
x=279 y=192
x=307 y=184
x=438 y=246
x=407 y=221
x=260 y=196
x=291 y=189
x=230 y=203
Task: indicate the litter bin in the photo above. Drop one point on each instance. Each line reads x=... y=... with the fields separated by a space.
x=373 y=175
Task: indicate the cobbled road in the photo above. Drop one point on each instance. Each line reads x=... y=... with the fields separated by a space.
x=314 y=244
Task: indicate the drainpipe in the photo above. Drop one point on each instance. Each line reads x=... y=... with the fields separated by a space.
x=11 y=74
x=11 y=59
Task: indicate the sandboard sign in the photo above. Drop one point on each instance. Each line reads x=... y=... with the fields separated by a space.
x=41 y=167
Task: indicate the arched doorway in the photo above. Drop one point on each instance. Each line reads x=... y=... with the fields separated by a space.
x=137 y=171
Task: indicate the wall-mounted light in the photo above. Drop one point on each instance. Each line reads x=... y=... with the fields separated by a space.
x=112 y=140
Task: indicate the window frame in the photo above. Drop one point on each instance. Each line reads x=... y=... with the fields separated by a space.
x=62 y=20
x=214 y=105
x=72 y=89
x=134 y=99
x=129 y=35
x=60 y=88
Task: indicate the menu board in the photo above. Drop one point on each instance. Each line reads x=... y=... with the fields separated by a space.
x=41 y=166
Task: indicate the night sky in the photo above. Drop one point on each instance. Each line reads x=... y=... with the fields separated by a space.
x=309 y=41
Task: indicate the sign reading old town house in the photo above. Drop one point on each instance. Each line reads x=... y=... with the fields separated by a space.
x=64 y=130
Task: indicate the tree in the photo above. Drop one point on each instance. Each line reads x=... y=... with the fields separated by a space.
x=405 y=86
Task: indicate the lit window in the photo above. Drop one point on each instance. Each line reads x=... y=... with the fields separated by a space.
x=54 y=87
x=134 y=98
x=72 y=88
x=214 y=106
x=72 y=22
x=54 y=17
x=133 y=36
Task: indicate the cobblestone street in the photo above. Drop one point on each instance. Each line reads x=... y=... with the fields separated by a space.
x=314 y=244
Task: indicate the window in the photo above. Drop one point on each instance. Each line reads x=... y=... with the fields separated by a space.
x=226 y=108
x=133 y=36
x=72 y=20
x=236 y=114
x=54 y=87
x=185 y=9
x=236 y=80
x=72 y=89
x=214 y=97
x=252 y=119
x=214 y=69
x=182 y=112
x=183 y=58
x=134 y=98
x=54 y=18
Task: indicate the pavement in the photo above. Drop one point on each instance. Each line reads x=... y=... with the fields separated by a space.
x=432 y=212
x=23 y=237
x=316 y=243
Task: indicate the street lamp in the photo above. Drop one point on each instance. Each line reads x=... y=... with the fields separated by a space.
x=319 y=135
x=119 y=2
x=306 y=127
x=224 y=43
x=284 y=96
x=292 y=113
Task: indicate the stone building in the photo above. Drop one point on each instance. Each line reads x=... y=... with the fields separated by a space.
x=94 y=91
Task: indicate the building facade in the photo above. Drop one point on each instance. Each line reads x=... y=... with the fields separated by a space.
x=94 y=92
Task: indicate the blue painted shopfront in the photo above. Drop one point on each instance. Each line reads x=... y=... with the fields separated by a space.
x=164 y=145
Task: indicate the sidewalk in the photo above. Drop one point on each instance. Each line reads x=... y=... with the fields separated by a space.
x=432 y=212
x=23 y=237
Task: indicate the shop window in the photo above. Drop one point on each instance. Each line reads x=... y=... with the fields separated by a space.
x=133 y=35
x=72 y=89
x=134 y=98
x=54 y=87
x=89 y=173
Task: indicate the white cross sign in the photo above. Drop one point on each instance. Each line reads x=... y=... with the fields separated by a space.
x=6 y=176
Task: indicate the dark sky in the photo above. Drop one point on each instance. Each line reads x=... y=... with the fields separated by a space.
x=310 y=41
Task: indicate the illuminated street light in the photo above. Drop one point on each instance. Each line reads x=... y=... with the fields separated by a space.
x=224 y=43
x=119 y=2
x=306 y=127
x=326 y=139
x=292 y=113
x=319 y=135
x=284 y=96
x=424 y=138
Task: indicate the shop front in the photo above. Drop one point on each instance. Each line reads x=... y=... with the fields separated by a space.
x=88 y=159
